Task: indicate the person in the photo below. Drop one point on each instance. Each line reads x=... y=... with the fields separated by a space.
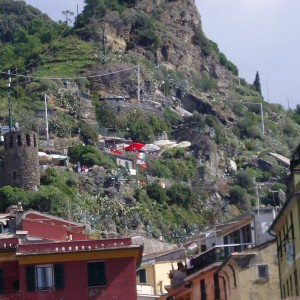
x=180 y=266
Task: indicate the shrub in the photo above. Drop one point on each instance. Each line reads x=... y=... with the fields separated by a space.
x=236 y=194
x=88 y=133
x=11 y=196
x=181 y=194
x=171 y=116
x=156 y=192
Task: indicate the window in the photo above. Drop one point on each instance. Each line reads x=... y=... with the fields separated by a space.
x=28 y=141
x=291 y=285
x=11 y=141
x=202 y=289
x=142 y=276
x=292 y=225
x=14 y=175
x=19 y=138
x=296 y=282
x=262 y=272
x=1 y=281
x=96 y=273
x=44 y=277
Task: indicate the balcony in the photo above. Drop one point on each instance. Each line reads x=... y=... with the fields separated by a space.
x=145 y=289
x=216 y=254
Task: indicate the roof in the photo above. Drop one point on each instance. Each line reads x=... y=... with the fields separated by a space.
x=171 y=255
x=49 y=219
x=152 y=245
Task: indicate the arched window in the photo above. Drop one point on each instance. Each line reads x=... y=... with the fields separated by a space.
x=11 y=141
x=28 y=142
x=19 y=138
x=14 y=174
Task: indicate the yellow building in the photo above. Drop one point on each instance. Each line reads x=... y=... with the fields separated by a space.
x=249 y=275
x=287 y=229
x=159 y=257
x=153 y=274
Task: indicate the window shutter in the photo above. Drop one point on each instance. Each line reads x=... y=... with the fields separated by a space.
x=1 y=281
x=59 y=277
x=96 y=274
x=30 y=278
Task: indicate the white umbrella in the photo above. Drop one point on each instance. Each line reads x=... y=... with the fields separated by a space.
x=150 y=148
x=164 y=143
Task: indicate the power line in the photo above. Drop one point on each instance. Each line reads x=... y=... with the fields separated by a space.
x=72 y=78
x=48 y=50
x=253 y=103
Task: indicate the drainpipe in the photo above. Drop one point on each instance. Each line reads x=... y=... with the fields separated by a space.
x=278 y=262
x=154 y=280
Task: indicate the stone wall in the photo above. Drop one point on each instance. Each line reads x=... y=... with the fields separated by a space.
x=20 y=161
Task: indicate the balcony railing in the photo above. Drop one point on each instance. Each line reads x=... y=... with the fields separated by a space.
x=145 y=289
x=216 y=254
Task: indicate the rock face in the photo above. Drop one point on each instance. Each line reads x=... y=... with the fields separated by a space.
x=177 y=23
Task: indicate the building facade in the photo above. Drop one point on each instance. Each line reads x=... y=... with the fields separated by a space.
x=204 y=276
x=286 y=226
x=249 y=275
x=47 y=263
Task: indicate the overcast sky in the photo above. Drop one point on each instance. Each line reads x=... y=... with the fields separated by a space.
x=256 y=35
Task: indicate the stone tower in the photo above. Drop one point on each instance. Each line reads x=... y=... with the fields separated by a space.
x=20 y=164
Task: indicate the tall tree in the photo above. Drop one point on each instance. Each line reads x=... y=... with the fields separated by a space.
x=256 y=83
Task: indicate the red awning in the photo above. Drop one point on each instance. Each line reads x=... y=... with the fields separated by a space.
x=134 y=147
x=115 y=151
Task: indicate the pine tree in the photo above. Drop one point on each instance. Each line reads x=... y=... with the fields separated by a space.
x=256 y=83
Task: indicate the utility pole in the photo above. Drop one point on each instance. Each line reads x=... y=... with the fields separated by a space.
x=17 y=83
x=9 y=102
x=46 y=117
x=262 y=118
x=257 y=197
x=138 y=87
x=104 y=41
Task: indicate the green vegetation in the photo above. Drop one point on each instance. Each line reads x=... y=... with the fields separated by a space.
x=182 y=188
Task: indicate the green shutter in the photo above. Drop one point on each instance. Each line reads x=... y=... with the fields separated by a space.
x=142 y=275
x=30 y=278
x=96 y=274
x=59 y=277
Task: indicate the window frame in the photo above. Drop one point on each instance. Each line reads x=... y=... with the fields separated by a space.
x=96 y=273
x=34 y=281
x=262 y=278
x=44 y=277
x=142 y=276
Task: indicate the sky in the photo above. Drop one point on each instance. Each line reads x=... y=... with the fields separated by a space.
x=256 y=35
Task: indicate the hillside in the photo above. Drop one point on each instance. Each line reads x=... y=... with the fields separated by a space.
x=176 y=82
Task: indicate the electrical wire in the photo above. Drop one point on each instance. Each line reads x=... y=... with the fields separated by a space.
x=70 y=78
